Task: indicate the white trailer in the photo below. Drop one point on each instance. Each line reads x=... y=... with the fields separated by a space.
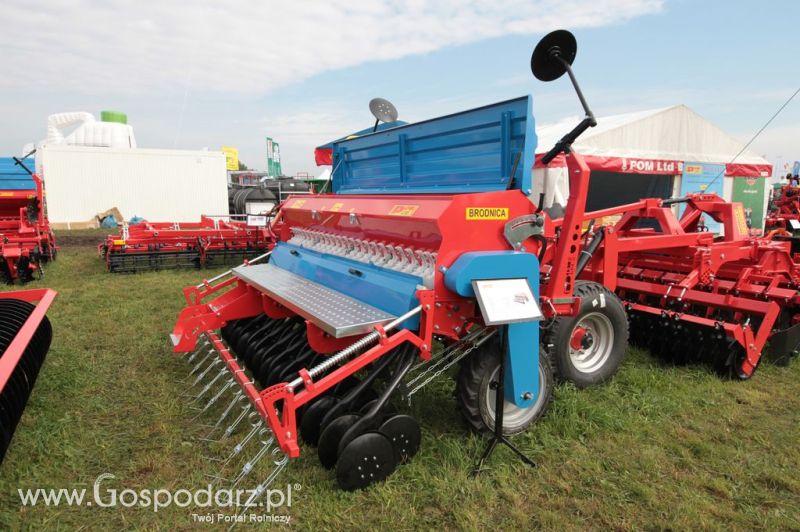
x=158 y=185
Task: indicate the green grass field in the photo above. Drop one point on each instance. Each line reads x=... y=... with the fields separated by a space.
x=658 y=447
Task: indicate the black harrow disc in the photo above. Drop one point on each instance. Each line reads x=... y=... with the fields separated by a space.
x=404 y=433
x=328 y=447
x=367 y=459
x=310 y=426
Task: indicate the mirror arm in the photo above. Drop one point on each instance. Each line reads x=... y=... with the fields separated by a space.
x=568 y=67
x=565 y=144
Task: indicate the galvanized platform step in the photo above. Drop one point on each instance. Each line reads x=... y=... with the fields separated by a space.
x=333 y=312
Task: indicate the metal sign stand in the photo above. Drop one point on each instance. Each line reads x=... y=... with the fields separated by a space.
x=493 y=297
x=498 y=436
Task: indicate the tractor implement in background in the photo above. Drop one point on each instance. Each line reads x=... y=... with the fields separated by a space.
x=696 y=296
x=25 y=335
x=783 y=219
x=26 y=240
x=212 y=242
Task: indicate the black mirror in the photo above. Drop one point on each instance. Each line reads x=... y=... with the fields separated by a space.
x=553 y=55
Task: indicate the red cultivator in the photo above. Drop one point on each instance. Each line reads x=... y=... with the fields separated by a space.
x=26 y=240
x=159 y=246
x=693 y=295
x=25 y=336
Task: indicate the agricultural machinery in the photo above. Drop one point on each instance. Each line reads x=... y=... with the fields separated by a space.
x=692 y=295
x=26 y=240
x=25 y=335
x=783 y=218
x=375 y=284
x=213 y=241
x=371 y=292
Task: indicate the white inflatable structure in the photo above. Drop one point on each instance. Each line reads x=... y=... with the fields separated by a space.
x=87 y=132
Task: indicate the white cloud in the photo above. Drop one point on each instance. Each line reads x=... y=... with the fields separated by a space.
x=244 y=46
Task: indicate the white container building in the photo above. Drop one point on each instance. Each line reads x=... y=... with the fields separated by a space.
x=158 y=185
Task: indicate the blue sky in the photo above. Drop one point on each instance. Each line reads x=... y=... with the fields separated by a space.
x=199 y=75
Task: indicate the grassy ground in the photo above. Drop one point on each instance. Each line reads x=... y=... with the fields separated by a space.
x=658 y=447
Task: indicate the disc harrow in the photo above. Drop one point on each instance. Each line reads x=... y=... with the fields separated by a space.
x=212 y=242
x=696 y=296
x=25 y=336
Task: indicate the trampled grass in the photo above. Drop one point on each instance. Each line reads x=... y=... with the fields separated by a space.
x=658 y=447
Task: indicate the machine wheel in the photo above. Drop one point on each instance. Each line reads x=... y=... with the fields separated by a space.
x=588 y=348
x=475 y=391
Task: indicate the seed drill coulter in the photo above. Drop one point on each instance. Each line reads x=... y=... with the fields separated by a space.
x=369 y=293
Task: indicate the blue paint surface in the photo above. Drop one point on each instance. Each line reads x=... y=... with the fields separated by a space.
x=471 y=151
x=390 y=291
x=14 y=177
x=522 y=354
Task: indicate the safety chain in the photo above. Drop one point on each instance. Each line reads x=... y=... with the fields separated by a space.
x=447 y=358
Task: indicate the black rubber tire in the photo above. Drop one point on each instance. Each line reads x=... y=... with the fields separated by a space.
x=595 y=299
x=474 y=383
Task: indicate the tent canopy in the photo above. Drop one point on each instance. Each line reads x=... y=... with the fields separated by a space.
x=657 y=141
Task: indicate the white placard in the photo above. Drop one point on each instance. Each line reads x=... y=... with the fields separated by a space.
x=506 y=301
x=256 y=221
x=795 y=224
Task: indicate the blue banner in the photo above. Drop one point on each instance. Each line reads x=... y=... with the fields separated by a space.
x=703 y=178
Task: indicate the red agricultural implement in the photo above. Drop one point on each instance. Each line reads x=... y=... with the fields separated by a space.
x=25 y=335
x=158 y=246
x=371 y=292
x=783 y=218
x=26 y=240
x=692 y=295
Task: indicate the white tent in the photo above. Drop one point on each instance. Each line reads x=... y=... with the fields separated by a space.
x=657 y=141
x=668 y=134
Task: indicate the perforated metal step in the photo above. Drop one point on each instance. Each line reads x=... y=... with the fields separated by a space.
x=335 y=313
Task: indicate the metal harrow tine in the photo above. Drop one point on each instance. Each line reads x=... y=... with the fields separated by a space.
x=200 y=377
x=259 y=490
x=232 y=427
x=239 y=397
x=225 y=387
x=205 y=343
x=221 y=373
x=259 y=430
x=256 y=426
x=247 y=468
x=197 y=366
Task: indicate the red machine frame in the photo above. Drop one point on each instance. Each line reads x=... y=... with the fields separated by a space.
x=236 y=299
x=202 y=240
x=783 y=210
x=15 y=350
x=684 y=269
x=25 y=241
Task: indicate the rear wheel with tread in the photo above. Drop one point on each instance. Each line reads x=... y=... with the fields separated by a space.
x=476 y=388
